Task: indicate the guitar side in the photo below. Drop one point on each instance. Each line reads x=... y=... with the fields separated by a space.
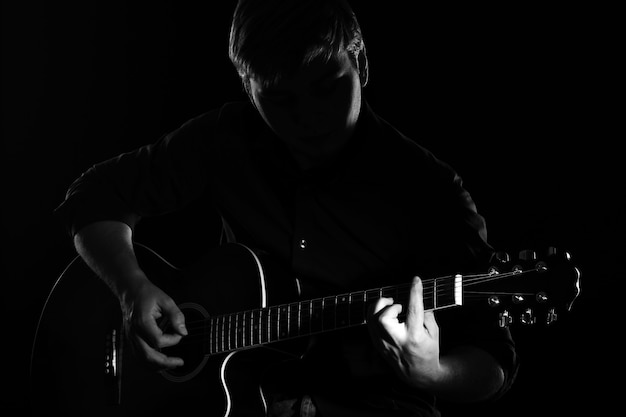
x=82 y=366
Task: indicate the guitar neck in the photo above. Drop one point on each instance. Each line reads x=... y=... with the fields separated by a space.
x=252 y=328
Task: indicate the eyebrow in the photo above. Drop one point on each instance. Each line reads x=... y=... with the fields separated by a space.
x=331 y=74
x=326 y=75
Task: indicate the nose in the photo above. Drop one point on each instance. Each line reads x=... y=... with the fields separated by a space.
x=310 y=114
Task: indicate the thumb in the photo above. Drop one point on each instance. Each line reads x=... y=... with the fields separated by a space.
x=178 y=322
x=175 y=319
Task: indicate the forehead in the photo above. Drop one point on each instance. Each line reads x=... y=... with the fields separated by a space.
x=315 y=70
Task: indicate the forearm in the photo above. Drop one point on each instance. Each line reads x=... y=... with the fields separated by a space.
x=467 y=374
x=107 y=248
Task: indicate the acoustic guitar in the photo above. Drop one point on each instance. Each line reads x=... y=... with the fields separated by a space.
x=238 y=327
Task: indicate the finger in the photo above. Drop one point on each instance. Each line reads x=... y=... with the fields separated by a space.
x=389 y=315
x=167 y=340
x=155 y=358
x=373 y=313
x=384 y=325
x=175 y=320
x=381 y=303
x=150 y=333
x=415 y=308
x=431 y=324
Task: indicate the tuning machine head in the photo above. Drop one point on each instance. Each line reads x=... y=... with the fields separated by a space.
x=527 y=317
x=505 y=319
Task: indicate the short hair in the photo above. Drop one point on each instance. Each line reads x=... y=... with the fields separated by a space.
x=271 y=39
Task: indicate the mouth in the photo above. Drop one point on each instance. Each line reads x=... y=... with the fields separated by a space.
x=316 y=138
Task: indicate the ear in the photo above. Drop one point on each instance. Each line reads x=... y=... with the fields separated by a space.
x=245 y=83
x=363 y=67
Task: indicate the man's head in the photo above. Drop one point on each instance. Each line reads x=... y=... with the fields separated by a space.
x=303 y=64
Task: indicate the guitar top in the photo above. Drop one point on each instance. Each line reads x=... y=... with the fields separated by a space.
x=232 y=303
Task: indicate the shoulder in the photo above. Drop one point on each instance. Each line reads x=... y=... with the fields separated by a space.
x=204 y=130
x=405 y=155
x=227 y=114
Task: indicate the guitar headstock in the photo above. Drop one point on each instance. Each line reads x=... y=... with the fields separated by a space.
x=534 y=288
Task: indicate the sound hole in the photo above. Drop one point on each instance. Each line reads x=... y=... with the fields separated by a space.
x=191 y=348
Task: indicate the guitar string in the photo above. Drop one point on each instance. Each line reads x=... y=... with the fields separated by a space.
x=440 y=288
x=276 y=317
x=226 y=340
x=400 y=292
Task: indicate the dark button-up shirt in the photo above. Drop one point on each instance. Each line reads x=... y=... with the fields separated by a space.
x=381 y=211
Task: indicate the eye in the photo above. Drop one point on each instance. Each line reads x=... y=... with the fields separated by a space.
x=276 y=97
x=327 y=87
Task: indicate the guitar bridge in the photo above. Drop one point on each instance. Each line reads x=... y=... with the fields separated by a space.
x=112 y=366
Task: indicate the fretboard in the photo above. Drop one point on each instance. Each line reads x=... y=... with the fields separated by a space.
x=251 y=328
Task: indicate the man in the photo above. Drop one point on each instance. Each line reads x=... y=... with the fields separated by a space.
x=309 y=174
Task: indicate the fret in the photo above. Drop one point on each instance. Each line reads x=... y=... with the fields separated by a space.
x=273 y=324
x=255 y=328
x=295 y=319
x=342 y=311
x=431 y=298
x=328 y=313
x=305 y=317
x=370 y=298
x=239 y=333
x=390 y=293
x=216 y=338
x=234 y=331
x=265 y=325
x=222 y=333
x=225 y=333
x=283 y=322
x=358 y=315
x=316 y=315
x=212 y=346
x=250 y=328
x=229 y=333
x=247 y=328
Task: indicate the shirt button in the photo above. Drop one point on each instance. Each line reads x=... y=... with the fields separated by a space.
x=302 y=244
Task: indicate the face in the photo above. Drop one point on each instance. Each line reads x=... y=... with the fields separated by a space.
x=314 y=111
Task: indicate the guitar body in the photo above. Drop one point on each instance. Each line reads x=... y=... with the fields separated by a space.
x=242 y=322
x=81 y=365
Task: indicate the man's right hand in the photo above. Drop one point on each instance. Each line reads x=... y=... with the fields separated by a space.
x=153 y=322
x=152 y=319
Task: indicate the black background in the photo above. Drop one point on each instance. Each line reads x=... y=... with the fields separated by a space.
x=520 y=99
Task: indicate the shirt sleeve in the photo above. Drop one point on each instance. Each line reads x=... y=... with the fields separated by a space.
x=465 y=236
x=152 y=180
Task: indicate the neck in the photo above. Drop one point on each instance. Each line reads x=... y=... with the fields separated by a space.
x=316 y=157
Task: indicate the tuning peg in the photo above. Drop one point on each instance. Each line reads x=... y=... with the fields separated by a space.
x=556 y=252
x=527 y=255
x=493 y=301
x=505 y=319
x=541 y=267
x=493 y=270
x=501 y=258
x=527 y=317
x=551 y=317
